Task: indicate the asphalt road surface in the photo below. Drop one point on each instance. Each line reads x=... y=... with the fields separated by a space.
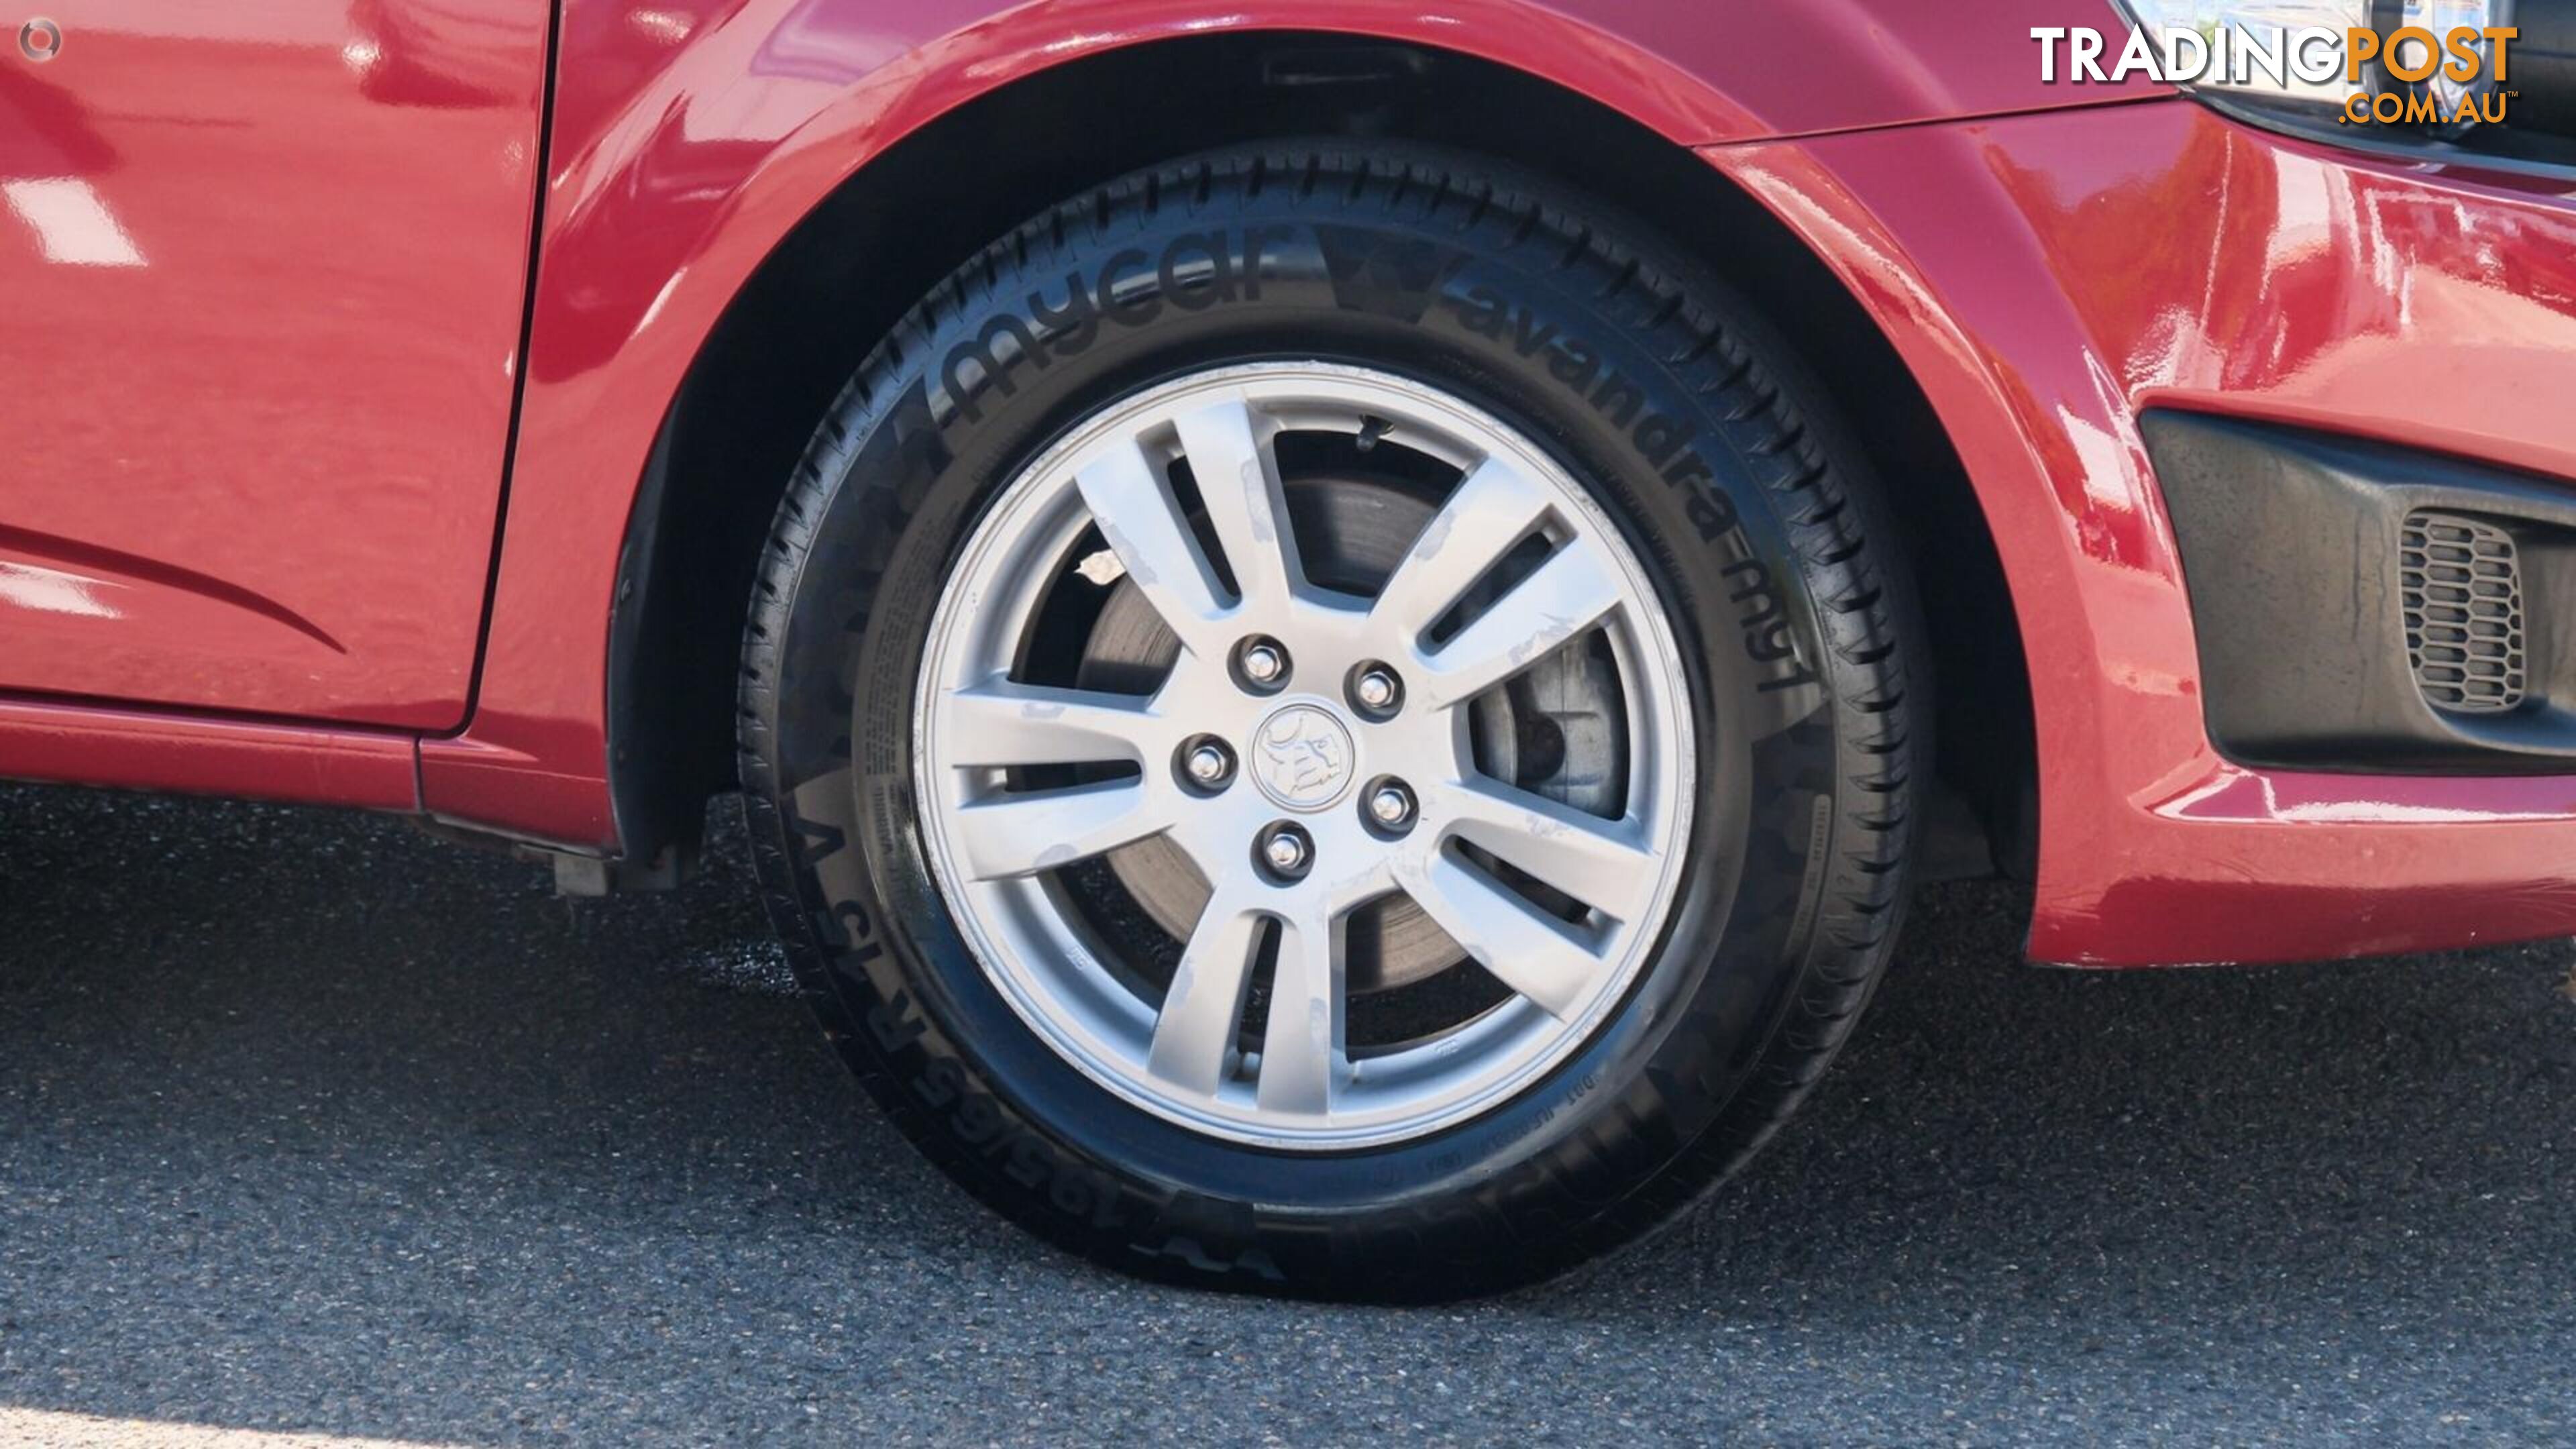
x=309 y=1123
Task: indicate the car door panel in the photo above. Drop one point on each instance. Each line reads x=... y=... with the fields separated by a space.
x=262 y=280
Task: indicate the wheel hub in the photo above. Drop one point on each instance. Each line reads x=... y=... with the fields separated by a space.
x=1302 y=756
x=1550 y=730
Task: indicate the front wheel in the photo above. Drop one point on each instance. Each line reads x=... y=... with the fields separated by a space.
x=1335 y=722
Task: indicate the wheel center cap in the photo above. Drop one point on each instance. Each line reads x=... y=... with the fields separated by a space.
x=1301 y=757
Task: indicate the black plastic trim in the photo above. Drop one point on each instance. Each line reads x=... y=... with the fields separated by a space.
x=2556 y=160
x=658 y=812
x=2290 y=550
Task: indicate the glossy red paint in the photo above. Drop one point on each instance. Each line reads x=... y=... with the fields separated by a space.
x=688 y=138
x=371 y=770
x=261 y=283
x=2048 y=276
x=2046 y=264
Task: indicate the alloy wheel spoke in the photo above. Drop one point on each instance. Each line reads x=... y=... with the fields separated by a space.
x=1217 y=835
x=1569 y=593
x=1524 y=948
x=1302 y=1052
x=1030 y=831
x=1132 y=502
x=1228 y=446
x=1000 y=722
x=1493 y=508
x=1195 y=1028
x=1603 y=863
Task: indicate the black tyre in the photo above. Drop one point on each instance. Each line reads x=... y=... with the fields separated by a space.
x=1451 y=1109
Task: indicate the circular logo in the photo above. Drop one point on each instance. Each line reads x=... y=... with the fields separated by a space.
x=1301 y=757
x=40 y=40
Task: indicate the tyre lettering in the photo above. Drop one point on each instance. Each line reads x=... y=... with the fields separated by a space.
x=977 y=1121
x=1527 y=340
x=1105 y=294
x=1207 y=281
x=1069 y=329
x=1027 y=1162
x=1573 y=364
x=893 y=1023
x=1669 y=445
x=990 y=367
x=1763 y=616
x=1194 y=271
x=940 y=1083
x=851 y=923
x=1618 y=399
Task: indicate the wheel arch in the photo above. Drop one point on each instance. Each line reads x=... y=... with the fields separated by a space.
x=816 y=254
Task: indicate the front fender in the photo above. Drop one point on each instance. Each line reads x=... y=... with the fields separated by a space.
x=689 y=137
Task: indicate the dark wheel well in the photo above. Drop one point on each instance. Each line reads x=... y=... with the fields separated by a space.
x=845 y=275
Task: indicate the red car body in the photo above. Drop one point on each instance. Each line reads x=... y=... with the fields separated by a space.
x=337 y=341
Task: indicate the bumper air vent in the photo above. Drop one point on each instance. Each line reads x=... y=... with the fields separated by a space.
x=2462 y=593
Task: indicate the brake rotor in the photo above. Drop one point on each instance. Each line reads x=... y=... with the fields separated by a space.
x=1554 y=730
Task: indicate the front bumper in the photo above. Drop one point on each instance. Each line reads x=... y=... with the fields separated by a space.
x=2053 y=279
x=2372 y=610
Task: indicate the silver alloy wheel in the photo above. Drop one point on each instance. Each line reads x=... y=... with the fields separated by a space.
x=1311 y=762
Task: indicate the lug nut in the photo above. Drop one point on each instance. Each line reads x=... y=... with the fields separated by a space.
x=1391 y=805
x=1287 y=852
x=1207 y=763
x=1263 y=661
x=1375 y=689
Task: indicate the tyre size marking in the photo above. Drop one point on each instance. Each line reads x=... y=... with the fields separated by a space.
x=854 y=947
